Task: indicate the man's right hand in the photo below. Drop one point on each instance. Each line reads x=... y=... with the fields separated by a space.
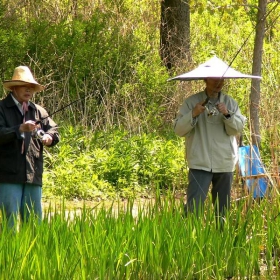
x=27 y=126
x=198 y=109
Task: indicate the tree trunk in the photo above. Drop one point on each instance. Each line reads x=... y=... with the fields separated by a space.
x=256 y=70
x=174 y=32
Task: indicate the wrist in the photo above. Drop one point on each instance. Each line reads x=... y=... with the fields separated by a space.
x=193 y=114
x=20 y=129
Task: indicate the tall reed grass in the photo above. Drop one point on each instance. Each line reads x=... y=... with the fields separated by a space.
x=159 y=242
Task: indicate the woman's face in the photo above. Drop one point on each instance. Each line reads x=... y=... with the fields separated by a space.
x=23 y=93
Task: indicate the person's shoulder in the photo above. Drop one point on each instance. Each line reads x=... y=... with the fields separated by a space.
x=38 y=107
x=227 y=97
x=42 y=111
x=196 y=97
x=7 y=100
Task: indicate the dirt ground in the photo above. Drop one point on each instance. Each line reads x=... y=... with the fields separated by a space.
x=238 y=191
x=76 y=204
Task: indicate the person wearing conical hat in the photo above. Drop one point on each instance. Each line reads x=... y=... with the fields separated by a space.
x=210 y=120
x=25 y=128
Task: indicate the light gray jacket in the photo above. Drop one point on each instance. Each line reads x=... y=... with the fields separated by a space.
x=210 y=140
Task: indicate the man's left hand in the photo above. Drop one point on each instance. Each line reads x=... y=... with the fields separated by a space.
x=222 y=108
x=47 y=139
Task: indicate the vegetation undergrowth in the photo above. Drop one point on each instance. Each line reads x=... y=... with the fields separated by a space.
x=113 y=164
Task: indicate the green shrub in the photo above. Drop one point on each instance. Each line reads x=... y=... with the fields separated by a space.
x=110 y=164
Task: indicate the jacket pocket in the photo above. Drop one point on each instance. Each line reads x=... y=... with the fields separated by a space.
x=223 y=154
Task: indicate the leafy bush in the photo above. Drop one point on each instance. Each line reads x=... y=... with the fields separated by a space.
x=113 y=163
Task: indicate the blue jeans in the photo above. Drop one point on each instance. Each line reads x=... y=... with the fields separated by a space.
x=23 y=199
x=199 y=184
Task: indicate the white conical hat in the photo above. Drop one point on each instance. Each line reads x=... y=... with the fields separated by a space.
x=213 y=68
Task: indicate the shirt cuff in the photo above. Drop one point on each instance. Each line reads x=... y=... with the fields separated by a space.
x=194 y=121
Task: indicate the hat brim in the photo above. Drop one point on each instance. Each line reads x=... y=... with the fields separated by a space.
x=213 y=68
x=12 y=83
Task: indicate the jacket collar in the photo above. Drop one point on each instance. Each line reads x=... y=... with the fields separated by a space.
x=9 y=102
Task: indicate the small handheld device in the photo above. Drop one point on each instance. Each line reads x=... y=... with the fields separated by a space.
x=38 y=133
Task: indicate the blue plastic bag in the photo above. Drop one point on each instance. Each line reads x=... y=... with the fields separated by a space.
x=250 y=164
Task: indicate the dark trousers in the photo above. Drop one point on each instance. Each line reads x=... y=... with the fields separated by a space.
x=198 y=187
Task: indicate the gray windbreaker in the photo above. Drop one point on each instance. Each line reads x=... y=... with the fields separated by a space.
x=210 y=140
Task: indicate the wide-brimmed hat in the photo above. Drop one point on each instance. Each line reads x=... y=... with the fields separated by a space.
x=213 y=68
x=22 y=76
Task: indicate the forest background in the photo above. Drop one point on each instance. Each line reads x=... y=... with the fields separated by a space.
x=117 y=138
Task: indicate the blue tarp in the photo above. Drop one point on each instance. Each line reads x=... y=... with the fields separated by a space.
x=250 y=164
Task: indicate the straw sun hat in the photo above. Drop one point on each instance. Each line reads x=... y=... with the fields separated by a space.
x=22 y=76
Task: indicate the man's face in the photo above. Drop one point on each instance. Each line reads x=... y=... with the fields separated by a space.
x=23 y=93
x=214 y=84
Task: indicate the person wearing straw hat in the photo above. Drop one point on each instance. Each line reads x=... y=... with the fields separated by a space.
x=25 y=129
x=209 y=121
